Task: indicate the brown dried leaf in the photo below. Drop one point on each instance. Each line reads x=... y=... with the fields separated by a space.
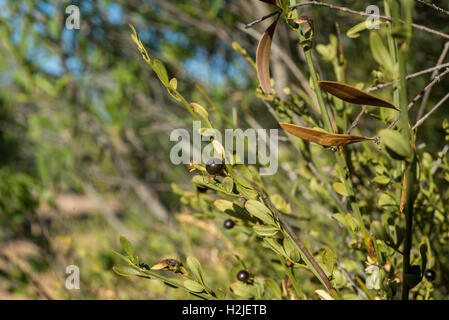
x=273 y=2
x=353 y=95
x=321 y=137
x=263 y=58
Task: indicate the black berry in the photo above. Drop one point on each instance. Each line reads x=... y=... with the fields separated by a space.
x=229 y=224
x=144 y=266
x=215 y=166
x=243 y=275
x=430 y=275
x=201 y=189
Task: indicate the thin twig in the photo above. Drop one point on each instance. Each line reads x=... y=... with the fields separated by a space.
x=434 y=6
x=360 y=13
x=422 y=108
x=357 y=119
x=411 y=76
x=412 y=103
x=290 y=232
x=420 y=121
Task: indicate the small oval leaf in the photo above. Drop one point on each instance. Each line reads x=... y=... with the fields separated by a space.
x=195 y=267
x=265 y=231
x=228 y=184
x=263 y=58
x=260 y=211
x=353 y=95
x=322 y=137
x=126 y=245
x=126 y=271
x=193 y=286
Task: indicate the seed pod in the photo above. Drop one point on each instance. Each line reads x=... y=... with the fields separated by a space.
x=263 y=58
x=167 y=264
x=321 y=137
x=353 y=95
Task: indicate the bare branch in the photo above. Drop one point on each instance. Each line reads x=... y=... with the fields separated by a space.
x=434 y=6
x=420 y=121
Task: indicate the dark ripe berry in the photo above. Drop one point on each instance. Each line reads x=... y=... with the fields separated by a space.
x=430 y=275
x=144 y=266
x=229 y=224
x=201 y=189
x=243 y=275
x=214 y=166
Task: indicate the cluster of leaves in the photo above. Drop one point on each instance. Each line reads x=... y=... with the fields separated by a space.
x=371 y=182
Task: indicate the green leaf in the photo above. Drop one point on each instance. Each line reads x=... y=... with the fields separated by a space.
x=275 y=246
x=199 y=109
x=126 y=245
x=274 y=287
x=260 y=211
x=380 y=52
x=244 y=290
x=223 y=205
x=161 y=71
x=193 y=286
x=379 y=231
x=397 y=146
x=381 y=180
x=291 y=250
x=228 y=184
x=328 y=258
x=126 y=271
x=265 y=231
x=340 y=188
x=354 y=32
x=195 y=267
x=280 y=203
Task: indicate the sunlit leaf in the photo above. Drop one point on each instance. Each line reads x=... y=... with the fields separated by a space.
x=193 y=285
x=321 y=137
x=353 y=95
x=354 y=32
x=260 y=211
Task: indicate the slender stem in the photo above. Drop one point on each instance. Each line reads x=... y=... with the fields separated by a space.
x=292 y=278
x=307 y=256
x=410 y=167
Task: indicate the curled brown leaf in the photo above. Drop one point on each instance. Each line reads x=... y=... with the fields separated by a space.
x=321 y=137
x=273 y=2
x=263 y=57
x=353 y=95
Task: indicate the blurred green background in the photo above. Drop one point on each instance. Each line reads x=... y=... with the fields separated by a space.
x=85 y=125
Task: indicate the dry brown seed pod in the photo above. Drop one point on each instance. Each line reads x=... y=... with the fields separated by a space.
x=321 y=137
x=263 y=58
x=167 y=264
x=353 y=95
